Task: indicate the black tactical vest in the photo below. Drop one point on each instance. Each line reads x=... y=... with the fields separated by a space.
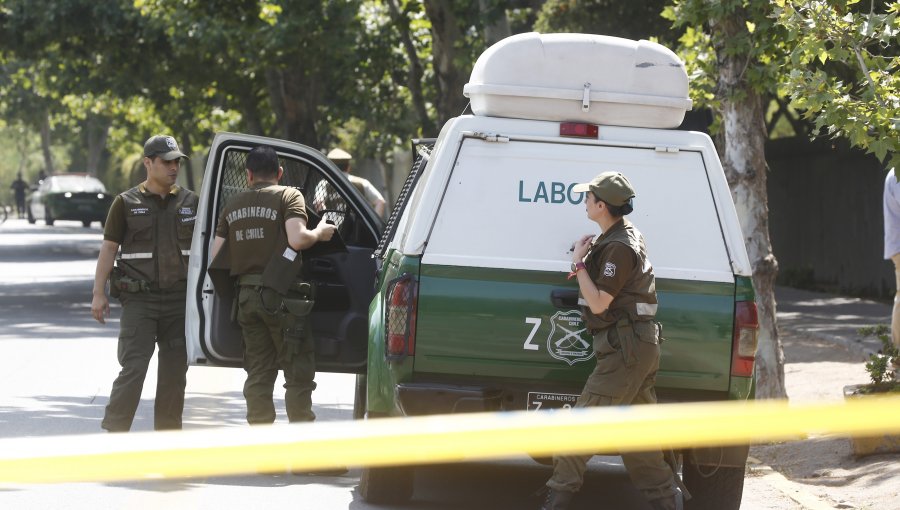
x=158 y=235
x=637 y=298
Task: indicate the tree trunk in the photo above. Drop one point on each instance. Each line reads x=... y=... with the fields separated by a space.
x=188 y=165
x=743 y=124
x=97 y=128
x=294 y=100
x=445 y=34
x=496 y=26
x=45 y=144
x=416 y=72
x=250 y=112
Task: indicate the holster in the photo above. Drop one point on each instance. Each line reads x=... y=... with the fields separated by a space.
x=114 y=276
x=296 y=308
x=119 y=282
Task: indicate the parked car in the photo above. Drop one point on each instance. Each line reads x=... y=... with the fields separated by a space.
x=74 y=196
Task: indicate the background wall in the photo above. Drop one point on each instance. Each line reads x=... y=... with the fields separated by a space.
x=826 y=220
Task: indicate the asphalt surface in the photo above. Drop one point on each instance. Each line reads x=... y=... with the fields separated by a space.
x=832 y=318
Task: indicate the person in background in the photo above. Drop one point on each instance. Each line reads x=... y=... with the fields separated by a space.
x=19 y=188
x=153 y=223
x=892 y=246
x=328 y=198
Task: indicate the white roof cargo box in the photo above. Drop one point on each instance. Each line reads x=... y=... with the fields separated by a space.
x=580 y=77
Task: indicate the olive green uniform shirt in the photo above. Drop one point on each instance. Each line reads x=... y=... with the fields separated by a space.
x=251 y=221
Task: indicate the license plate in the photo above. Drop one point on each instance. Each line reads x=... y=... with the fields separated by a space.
x=542 y=401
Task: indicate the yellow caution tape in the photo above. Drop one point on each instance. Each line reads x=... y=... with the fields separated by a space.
x=431 y=439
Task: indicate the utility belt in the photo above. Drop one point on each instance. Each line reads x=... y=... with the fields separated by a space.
x=119 y=282
x=297 y=289
x=298 y=301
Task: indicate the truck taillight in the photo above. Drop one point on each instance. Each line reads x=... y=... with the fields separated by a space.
x=746 y=336
x=400 y=323
x=579 y=130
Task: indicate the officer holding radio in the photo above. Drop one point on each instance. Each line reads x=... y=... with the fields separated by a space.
x=154 y=224
x=259 y=235
x=617 y=295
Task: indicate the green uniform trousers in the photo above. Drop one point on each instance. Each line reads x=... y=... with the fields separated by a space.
x=149 y=319
x=625 y=374
x=268 y=346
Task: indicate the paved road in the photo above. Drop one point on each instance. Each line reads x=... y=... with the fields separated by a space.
x=57 y=365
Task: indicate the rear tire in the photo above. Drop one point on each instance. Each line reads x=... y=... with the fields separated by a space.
x=713 y=488
x=386 y=485
x=359 y=398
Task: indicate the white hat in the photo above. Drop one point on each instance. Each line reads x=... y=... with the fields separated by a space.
x=339 y=155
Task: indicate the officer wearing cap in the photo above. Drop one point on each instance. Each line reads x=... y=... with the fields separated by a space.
x=328 y=198
x=260 y=232
x=153 y=224
x=617 y=295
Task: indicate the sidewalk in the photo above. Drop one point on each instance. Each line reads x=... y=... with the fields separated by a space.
x=823 y=353
x=830 y=317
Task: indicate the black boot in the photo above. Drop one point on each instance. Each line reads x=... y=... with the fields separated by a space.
x=663 y=503
x=557 y=500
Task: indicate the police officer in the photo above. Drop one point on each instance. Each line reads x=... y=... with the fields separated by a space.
x=153 y=224
x=265 y=228
x=327 y=198
x=617 y=294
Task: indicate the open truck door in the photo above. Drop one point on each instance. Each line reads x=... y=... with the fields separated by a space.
x=342 y=270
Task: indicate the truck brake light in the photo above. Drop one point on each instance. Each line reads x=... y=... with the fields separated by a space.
x=579 y=130
x=400 y=320
x=746 y=337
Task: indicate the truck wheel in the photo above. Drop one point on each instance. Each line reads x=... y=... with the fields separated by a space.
x=713 y=488
x=386 y=485
x=359 y=398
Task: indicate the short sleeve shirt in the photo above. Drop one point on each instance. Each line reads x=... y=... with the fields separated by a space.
x=250 y=222
x=612 y=267
x=891 y=215
x=114 y=229
x=369 y=191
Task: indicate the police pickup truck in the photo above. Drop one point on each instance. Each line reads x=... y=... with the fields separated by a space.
x=461 y=303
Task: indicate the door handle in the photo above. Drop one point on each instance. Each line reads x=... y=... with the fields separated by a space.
x=564 y=298
x=322 y=266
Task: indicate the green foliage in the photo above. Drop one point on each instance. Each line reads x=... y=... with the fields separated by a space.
x=637 y=19
x=710 y=33
x=844 y=70
x=882 y=365
x=878 y=330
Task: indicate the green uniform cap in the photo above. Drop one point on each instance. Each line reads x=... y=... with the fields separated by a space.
x=611 y=187
x=163 y=146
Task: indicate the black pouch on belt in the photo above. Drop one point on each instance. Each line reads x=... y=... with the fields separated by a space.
x=626 y=335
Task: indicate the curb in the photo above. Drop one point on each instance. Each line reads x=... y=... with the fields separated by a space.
x=795 y=491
